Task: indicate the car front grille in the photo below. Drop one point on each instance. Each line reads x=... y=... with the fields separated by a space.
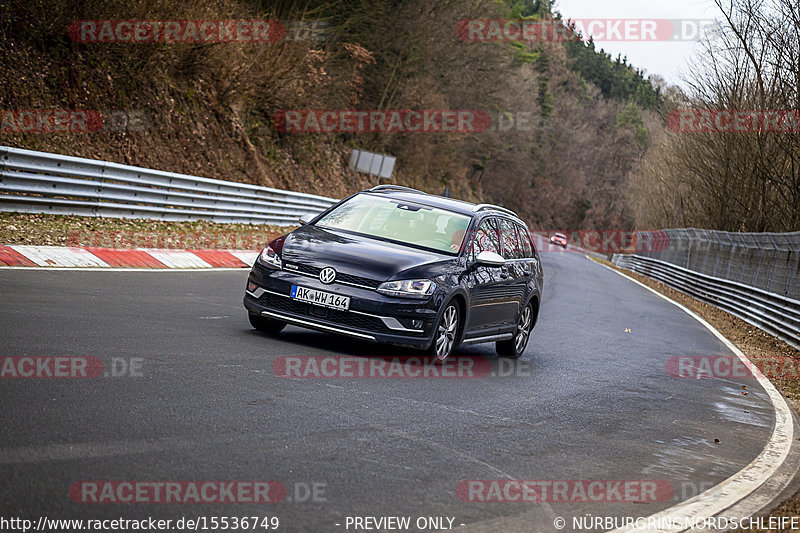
x=340 y=276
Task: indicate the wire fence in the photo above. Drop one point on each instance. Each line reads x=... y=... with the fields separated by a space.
x=768 y=261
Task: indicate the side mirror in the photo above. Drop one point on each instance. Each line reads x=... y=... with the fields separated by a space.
x=305 y=219
x=490 y=259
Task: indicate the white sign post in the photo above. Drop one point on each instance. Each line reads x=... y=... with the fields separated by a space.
x=380 y=165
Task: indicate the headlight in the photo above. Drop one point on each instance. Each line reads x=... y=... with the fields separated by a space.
x=269 y=257
x=410 y=288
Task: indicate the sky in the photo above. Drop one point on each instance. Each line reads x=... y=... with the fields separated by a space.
x=668 y=58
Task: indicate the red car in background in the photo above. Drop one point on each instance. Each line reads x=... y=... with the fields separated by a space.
x=559 y=238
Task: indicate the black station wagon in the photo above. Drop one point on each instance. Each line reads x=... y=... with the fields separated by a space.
x=399 y=266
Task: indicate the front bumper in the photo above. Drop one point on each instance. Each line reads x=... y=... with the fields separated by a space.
x=372 y=316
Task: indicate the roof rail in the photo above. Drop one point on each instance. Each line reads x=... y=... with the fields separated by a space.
x=492 y=207
x=389 y=187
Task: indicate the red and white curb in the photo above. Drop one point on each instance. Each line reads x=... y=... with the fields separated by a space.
x=73 y=257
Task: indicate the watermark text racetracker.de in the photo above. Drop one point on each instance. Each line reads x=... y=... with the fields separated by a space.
x=135 y=31
x=177 y=492
x=734 y=121
x=72 y=121
x=564 y=490
x=599 y=29
x=69 y=367
x=397 y=367
x=732 y=367
x=386 y=121
x=202 y=492
x=176 y=31
x=605 y=241
x=192 y=240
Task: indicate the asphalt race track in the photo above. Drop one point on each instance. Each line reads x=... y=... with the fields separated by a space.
x=588 y=401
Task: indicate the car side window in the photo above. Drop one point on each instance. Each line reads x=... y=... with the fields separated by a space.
x=525 y=240
x=486 y=239
x=511 y=245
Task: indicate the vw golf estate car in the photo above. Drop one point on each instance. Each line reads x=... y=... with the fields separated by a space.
x=399 y=266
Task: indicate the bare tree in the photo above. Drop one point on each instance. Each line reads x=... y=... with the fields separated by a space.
x=734 y=180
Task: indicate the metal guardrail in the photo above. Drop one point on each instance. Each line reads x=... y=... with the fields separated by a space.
x=776 y=314
x=39 y=182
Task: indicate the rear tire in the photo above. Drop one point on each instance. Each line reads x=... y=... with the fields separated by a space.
x=514 y=348
x=266 y=325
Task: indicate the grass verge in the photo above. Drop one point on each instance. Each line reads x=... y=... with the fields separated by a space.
x=63 y=230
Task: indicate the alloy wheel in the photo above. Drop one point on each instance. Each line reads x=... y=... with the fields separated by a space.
x=446 y=332
x=523 y=329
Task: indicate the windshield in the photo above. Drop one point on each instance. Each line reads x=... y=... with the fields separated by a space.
x=399 y=221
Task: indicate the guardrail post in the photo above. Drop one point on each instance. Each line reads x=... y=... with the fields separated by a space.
x=717 y=253
x=788 y=291
x=775 y=252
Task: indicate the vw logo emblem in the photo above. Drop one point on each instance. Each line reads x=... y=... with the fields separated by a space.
x=327 y=275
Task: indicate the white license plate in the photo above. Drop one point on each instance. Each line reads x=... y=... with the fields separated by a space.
x=325 y=299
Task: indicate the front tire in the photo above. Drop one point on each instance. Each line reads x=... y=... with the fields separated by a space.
x=514 y=348
x=444 y=339
x=266 y=325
